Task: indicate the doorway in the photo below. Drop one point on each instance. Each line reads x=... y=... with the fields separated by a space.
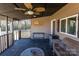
x=25 y=28
x=53 y=27
x=22 y=29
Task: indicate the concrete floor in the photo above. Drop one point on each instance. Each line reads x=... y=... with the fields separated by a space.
x=22 y=44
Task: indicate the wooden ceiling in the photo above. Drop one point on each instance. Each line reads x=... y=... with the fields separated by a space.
x=8 y=9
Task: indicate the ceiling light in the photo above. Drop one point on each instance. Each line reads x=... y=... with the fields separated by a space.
x=29 y=12
x=34 y=16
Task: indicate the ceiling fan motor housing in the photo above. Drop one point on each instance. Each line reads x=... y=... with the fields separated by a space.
x=29 y=12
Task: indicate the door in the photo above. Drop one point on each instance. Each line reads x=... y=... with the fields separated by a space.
x=53 y=27
x=25 y=26
x=15 y=30
x=22 y=29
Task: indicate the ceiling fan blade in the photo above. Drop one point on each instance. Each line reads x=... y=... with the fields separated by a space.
x=39 y=9
x=20 y=9
x=28 y=5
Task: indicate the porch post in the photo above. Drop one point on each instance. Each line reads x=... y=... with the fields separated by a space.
x=7 y=31
x=19 y=30
x=12 y=32
x=78 y=27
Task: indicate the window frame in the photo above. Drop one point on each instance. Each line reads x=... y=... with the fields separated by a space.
x=66 y=18
x=65 y=24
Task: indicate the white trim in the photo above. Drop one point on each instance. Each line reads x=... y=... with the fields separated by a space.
x=68 y=34
x=60 y=24
x=66 y=24
x=66 y=18
x=52 y=25
x=77 y=26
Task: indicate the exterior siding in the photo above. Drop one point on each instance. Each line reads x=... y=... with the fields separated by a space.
x=67 y=10
x=43 y=26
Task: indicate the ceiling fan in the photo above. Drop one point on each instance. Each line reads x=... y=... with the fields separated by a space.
x=30 y=10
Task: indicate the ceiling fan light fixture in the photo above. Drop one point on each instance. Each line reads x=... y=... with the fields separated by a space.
x=34 y=16
x=29 y=12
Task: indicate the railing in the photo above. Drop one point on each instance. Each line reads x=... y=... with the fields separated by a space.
x=16 y=35
x=25 y=34
x=6 y=41
x=21 y=34
x=10 y=38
